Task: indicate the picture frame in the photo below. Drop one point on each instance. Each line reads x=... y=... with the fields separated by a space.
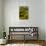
x=23 y=12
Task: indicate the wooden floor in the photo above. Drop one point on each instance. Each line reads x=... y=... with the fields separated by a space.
x=40 y=42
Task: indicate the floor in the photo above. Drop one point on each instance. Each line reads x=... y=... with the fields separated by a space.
x=25 y=43
x=21 y=45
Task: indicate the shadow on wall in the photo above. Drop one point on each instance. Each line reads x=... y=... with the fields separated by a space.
x=1 y=34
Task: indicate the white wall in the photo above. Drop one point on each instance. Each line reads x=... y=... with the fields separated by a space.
x=45 y=19
x=36 y=15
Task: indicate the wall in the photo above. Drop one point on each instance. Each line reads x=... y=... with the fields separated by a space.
x=0 y=18
x=45 y=19
x=36 y=15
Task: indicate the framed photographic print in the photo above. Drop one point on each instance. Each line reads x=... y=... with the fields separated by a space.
x=23 y=12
